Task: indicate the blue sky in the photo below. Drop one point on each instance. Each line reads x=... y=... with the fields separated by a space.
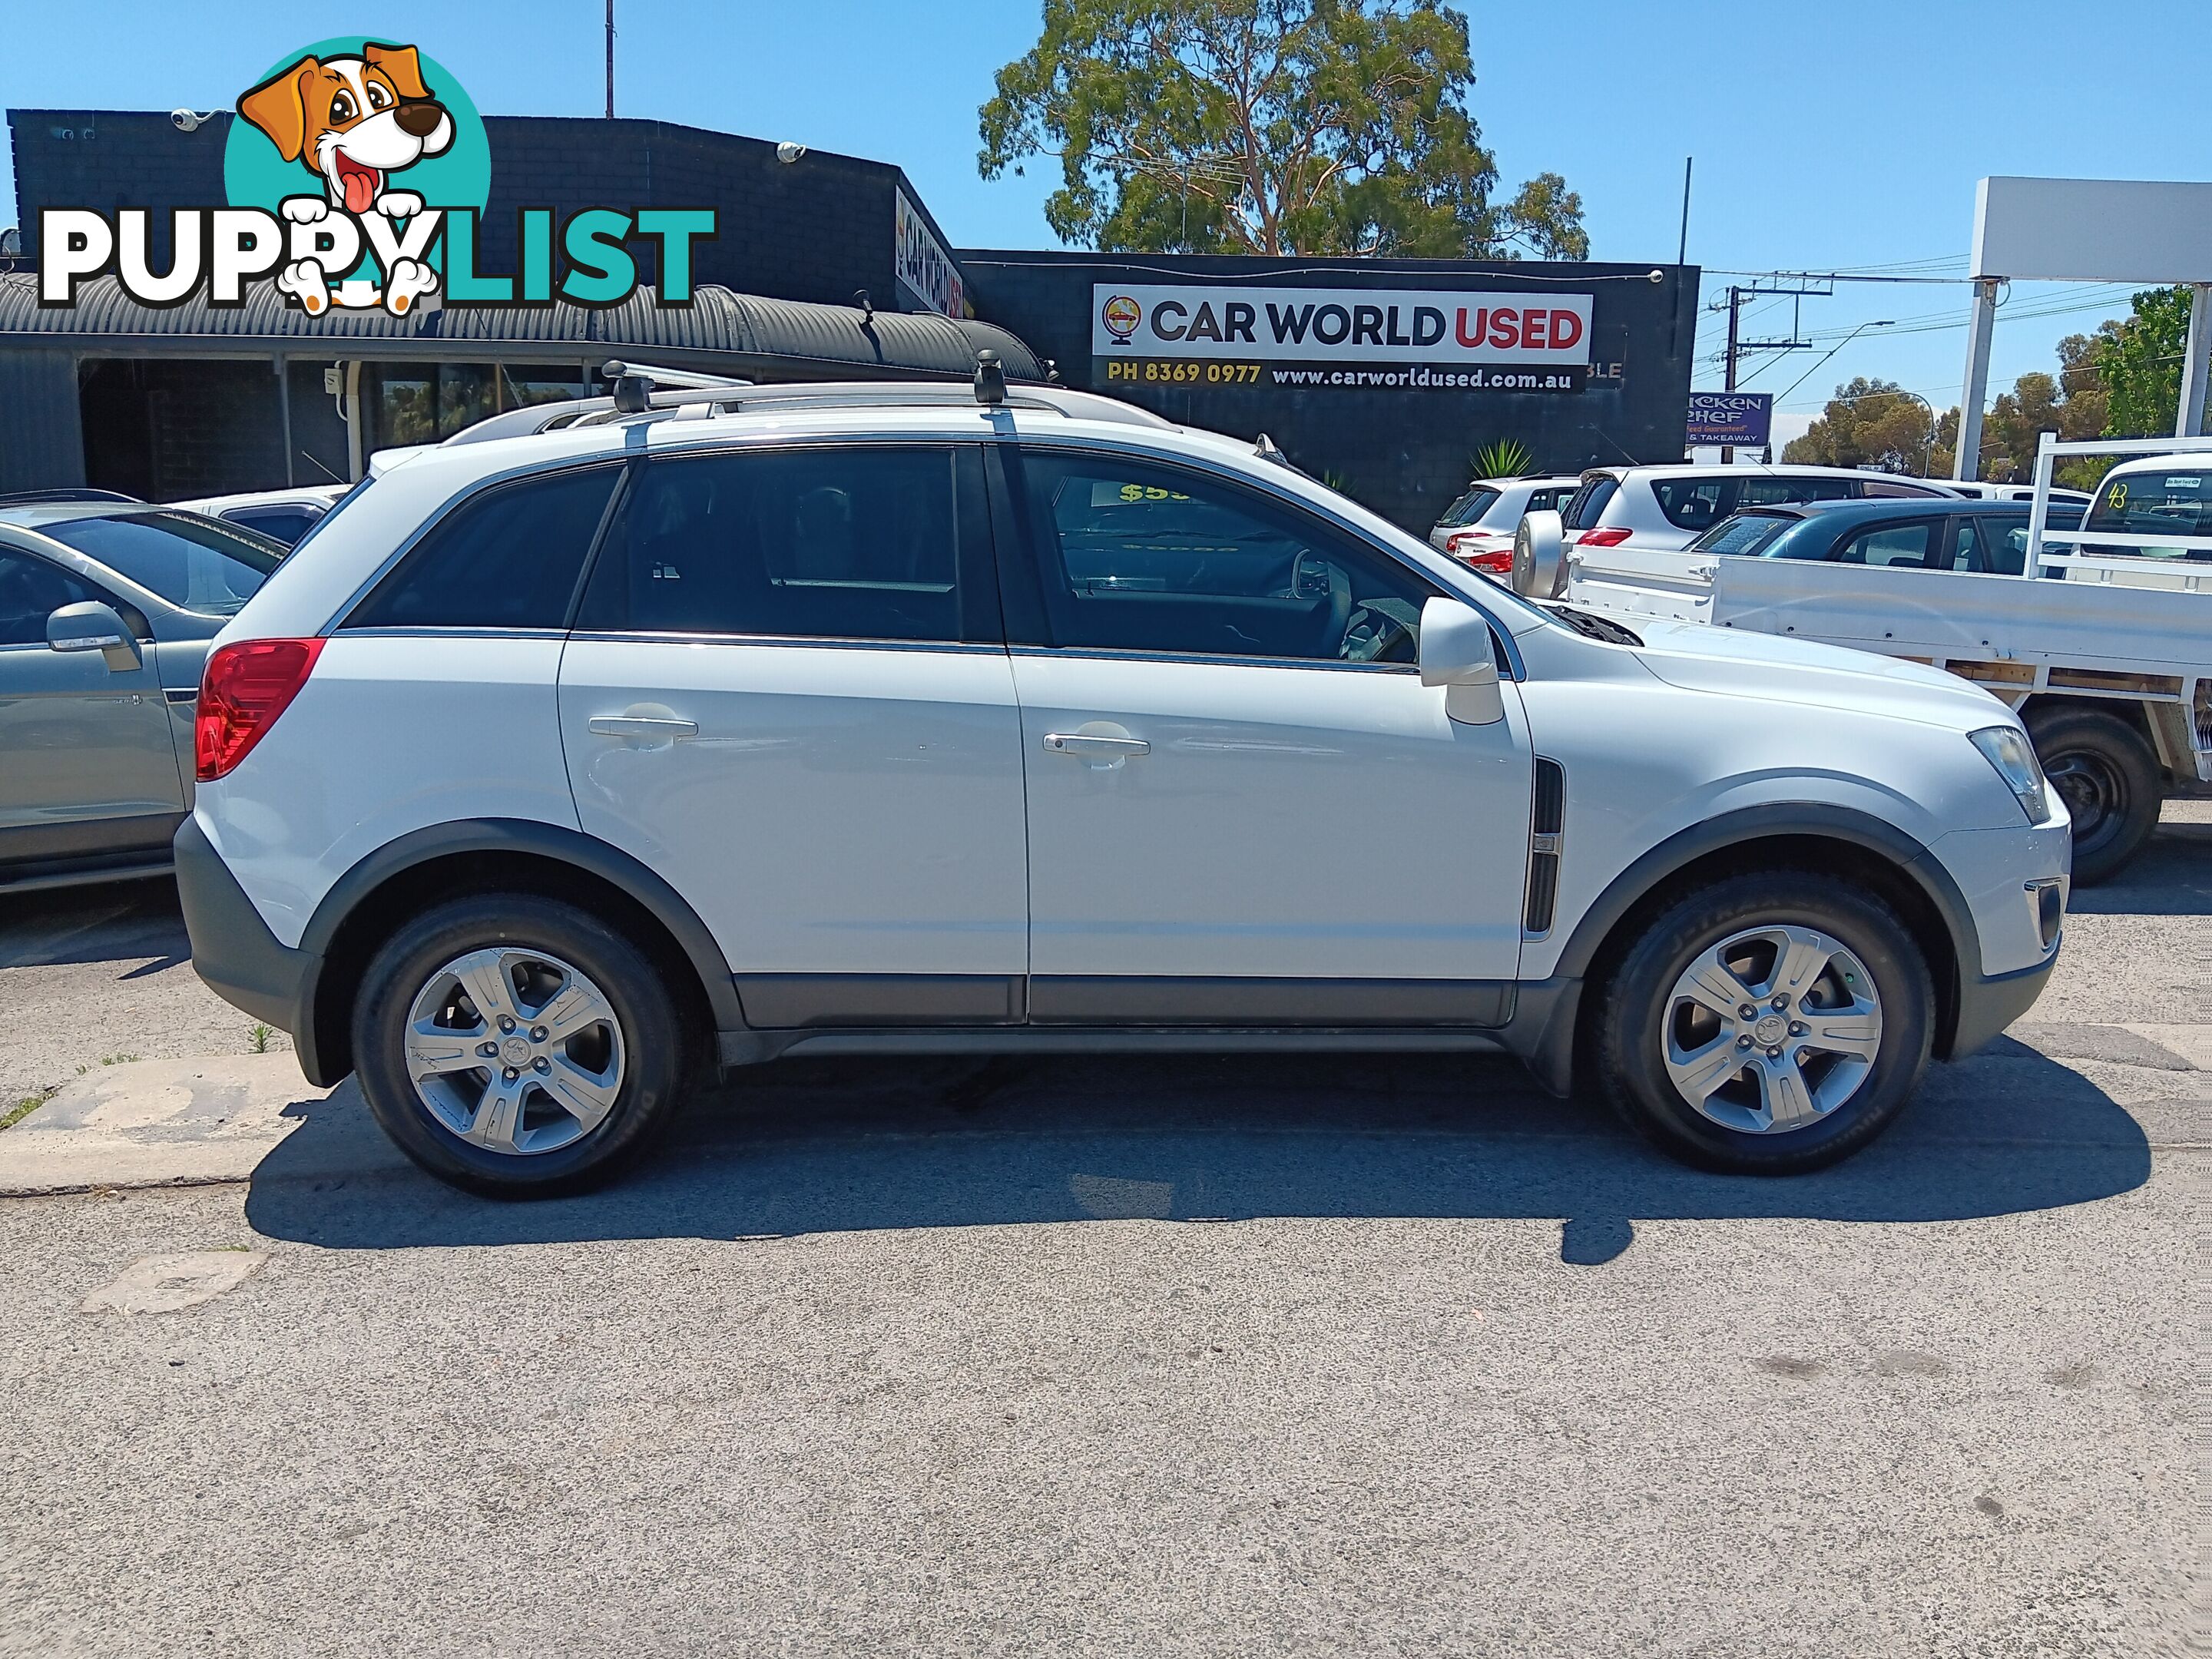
x=1826 y=136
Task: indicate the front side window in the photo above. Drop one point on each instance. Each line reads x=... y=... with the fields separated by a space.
x=1136 y=556
x=31 y=590
x=509 y=556
x=859 y=543
x=1888 y=544
x=197 y=563
x=1694 y=503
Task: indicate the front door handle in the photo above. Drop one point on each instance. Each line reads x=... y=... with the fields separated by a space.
x=1083 y=743
x=649 y=727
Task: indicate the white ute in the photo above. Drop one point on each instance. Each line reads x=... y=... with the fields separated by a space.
x=914 y=718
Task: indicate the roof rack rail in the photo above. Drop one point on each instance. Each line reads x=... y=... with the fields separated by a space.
x=636 y=383
x=716 y=395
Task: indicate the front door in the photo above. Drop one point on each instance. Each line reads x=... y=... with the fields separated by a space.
x=88 y=767
x=788 y=693
x=1244 y=808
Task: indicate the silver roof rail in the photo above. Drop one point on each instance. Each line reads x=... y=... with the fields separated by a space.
x=716 y=395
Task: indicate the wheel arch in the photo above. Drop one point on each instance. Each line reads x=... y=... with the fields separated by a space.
x=1811 y=837
x=379 y=895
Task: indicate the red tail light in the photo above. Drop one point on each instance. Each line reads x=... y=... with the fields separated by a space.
x=1608 y=537
x=1498 y=559
x=245 y=687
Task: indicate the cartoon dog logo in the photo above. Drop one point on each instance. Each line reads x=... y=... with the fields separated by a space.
x=354 y=122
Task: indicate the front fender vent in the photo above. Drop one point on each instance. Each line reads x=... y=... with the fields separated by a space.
x=1546 y=824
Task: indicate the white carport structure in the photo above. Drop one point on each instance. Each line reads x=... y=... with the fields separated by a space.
x=2095 y=230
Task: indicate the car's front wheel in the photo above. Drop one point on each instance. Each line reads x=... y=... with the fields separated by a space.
x=1769 y=1023
x=515 y=1045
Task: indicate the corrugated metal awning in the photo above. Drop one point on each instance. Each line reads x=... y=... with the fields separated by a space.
x=785 y=338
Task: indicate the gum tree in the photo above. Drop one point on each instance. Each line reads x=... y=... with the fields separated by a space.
x=1267 y=126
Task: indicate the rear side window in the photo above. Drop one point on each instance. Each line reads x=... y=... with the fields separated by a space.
x=1591 y=500
x=1548 y=501
x=284 y=523
x=1786 y=491
x=1881 y=487
x=1695 y=503
x=858 y=543
x=509 y=557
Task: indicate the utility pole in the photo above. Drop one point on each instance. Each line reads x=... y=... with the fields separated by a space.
x=1682 y=249
x=610 y=59
x=1735 y=302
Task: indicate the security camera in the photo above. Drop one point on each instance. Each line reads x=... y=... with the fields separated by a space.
x=787 y=152
x=1657 y=276
x=187 y=121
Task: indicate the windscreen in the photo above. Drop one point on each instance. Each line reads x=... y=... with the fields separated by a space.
x=195 y=562
x=1744 y=533
x=2174 y=502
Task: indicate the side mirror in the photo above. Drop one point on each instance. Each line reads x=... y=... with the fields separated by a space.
x=89 y=625
x=1539 y=556
x=1456 y=653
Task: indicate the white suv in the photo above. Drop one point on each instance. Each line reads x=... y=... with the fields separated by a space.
x=1662 y=509
x=863 y=719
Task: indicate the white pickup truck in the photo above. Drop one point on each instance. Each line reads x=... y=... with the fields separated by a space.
x=2107 y=657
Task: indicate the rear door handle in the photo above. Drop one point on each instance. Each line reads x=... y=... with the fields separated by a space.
x=643 y=726
x=1083 y=743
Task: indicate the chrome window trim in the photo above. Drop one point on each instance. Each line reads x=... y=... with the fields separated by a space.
x=1295 y=502
x=1117 y=653
x=799 y=641
x=455 y=631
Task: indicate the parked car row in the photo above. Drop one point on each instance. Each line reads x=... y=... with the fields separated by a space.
x=2113 y=683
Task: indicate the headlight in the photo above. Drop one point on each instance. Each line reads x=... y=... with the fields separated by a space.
x=2007 y=748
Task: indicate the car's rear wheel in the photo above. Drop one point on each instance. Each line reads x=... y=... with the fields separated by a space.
x=515 y=1045
x=1769 y=1023
x=2108 y=777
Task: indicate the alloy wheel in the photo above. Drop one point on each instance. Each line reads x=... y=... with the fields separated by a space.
x=514 y=1050
x=1772 y=1029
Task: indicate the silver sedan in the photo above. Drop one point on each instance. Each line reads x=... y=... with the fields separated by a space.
x=106 y=608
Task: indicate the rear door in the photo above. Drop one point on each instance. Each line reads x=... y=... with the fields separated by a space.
x=87 y=769
x=787 y=692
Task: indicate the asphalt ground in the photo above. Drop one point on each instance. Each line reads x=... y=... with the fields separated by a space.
x=1284 y=1355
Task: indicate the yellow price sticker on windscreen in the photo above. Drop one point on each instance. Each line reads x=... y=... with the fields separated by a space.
x=1104 y=494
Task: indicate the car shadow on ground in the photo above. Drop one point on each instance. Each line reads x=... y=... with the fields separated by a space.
x=2171 y=876
x=808 y=1146
x=109 y=921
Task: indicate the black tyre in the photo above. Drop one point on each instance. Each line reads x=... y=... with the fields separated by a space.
x=2105 y=771
x=1768 y=1024
x=516 y=1045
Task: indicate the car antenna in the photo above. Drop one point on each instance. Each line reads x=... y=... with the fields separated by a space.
x=990 y=378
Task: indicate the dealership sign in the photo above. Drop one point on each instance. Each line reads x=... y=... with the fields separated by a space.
x=1441 y=338
x=1731 y=418
x=921 y=262
x=356 y=175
